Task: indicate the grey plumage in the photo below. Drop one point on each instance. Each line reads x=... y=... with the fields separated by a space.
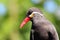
x=43 y=29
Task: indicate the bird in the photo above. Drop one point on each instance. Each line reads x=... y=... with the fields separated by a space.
x=42 y=28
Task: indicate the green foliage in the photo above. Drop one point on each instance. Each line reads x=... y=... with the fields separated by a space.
x=10 y=23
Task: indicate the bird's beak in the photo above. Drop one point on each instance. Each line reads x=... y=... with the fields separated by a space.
x=26 y=20
x=31 y=16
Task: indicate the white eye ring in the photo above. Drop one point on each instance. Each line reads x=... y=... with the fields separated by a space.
x=37 y=13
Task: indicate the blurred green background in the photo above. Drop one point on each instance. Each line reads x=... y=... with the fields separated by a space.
x=12 y=13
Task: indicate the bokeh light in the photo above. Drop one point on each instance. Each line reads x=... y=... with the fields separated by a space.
x=2 y=9
x=50 y=6
x=36 y=1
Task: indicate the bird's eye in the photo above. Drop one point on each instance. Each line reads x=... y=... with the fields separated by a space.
x=29 y=12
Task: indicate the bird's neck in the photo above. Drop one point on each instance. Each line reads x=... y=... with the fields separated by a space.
x=37 y=22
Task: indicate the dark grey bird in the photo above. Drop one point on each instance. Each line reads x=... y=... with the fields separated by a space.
x=42 y=29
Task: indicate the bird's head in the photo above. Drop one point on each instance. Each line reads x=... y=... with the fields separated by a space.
x=32 y=13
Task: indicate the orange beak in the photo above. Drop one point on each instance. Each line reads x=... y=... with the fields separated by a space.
x=24 y=21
